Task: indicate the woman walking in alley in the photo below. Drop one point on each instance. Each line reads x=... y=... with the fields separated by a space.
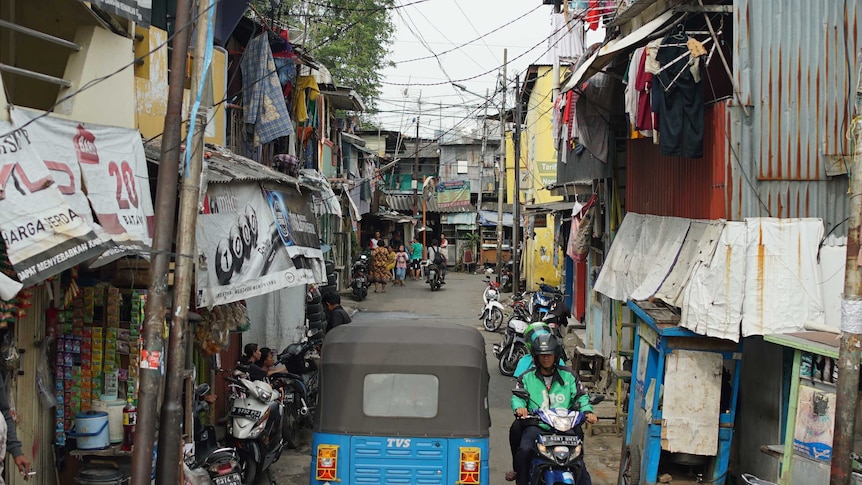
x=379 y=265
x=401 y=261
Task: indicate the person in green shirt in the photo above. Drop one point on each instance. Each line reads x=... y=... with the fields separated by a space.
x=416 y=259
x=549 y=386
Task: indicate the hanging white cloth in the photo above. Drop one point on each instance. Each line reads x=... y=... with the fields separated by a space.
x=566 y=42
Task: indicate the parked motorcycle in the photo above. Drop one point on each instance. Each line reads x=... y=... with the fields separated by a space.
x=433 y=277
x=540 y=302
x=492 y=310
x=559 y=453
x=359 y=279
x=210 y=464
x=300 y=386
x=506 y=277
x=512 y=347
x=255 y=426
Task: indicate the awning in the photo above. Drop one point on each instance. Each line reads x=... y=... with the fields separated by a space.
x=546 y=207
x=489 y=218
x=399 y=202
x=465 y=218
x=729 y=279
x=616 y=46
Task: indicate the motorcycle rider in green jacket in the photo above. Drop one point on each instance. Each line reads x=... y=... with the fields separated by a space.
x=549 y=386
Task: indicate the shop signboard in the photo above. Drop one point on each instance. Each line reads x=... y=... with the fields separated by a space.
x=253 y=240
x=42 y=233
x=452 y=194
x=107 y=165
x=138 y=11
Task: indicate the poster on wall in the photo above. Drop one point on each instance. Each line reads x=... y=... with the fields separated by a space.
x=252 y=241
x=107 y=165
x=42 y=233
x=815 y=422
x=453 y=193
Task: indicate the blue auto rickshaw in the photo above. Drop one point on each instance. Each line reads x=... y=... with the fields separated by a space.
x=402 y=403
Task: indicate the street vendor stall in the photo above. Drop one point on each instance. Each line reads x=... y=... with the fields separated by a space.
x=682 y=404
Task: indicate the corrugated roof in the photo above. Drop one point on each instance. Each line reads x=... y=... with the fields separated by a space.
x=224 y=166
x=405 y=203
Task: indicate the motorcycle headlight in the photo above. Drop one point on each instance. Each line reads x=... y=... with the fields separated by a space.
x=265 y=395
x=562 y=423
x=544 y=451
x=561 y=454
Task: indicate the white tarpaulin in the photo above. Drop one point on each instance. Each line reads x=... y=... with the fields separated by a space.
x=783 y=291
x=109 y=164
x=254 y=241
x=712 y=299
x=692 y=402
x=757 y=277
x=42 y=233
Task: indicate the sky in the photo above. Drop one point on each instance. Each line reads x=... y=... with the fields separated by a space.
x=435 y=26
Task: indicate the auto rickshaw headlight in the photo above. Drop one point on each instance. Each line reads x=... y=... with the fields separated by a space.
x=327 y=462
x=469 y=466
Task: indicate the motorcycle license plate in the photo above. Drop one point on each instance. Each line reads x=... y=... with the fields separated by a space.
x=288 y=397
x=232 y=479
x=245 y=413
x=560 y=439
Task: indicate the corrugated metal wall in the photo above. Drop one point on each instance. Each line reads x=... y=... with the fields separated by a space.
x=677 y=186
x=794 y=65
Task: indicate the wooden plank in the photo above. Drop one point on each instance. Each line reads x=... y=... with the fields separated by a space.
x=692 y=401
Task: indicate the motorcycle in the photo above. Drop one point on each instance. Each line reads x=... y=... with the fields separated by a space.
x=513 y=346
x=506 y=277
x=559 y=452
x=557 y=318
x=359 y=280
x=255 y=426
x=540 y=302
x=209 y=464
x=300 y=386
x=492 y=311
x=433 y=277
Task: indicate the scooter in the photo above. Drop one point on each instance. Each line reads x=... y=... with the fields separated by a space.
x=300 y=385
x=559 y=453
x=433 y=276
x=359 y=280
x=541 y=301
x=209 y=464
x=255 y=427
x=492 y=311
x=513 y=346
x=506 y=277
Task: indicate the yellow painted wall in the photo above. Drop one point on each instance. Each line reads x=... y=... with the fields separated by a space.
x=151 y=87
x=540 y=159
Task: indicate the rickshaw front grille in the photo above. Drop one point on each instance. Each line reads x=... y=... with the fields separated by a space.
x=396 y=461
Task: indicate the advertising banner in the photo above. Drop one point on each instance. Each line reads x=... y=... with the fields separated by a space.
x=138 y=11
x=252 y=241
x=42 y=233
x=454 y=193
x=107 y=165
x=815 y=422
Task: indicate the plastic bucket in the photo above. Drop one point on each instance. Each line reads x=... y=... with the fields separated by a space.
x=114 y=408
x=91 y=430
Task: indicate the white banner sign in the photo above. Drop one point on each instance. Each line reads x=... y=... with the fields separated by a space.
x=252 y=241
x=42 y=233
x=109 y=164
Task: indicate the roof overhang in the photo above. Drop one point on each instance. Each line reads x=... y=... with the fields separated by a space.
x=344 y=98
x=613 y=48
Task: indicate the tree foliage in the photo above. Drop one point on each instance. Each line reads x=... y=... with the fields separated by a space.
x=350 y=37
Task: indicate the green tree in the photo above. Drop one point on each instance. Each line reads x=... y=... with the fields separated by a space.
x=351 y=38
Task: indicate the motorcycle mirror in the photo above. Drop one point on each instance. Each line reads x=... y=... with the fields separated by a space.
x=521 y=393
x=597 y=398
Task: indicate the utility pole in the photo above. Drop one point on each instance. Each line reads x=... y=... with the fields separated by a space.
x=416 y=165
x=170 y=428
x=481 y=178
x=516 y=216
x=850 y=350
x=149 y=379
x=501 y=190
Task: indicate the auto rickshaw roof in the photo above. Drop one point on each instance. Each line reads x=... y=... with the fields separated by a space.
x=455 y=354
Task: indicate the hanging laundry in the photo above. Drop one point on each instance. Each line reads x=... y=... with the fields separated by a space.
x=266 y=113
x=631 y=94
x=303 y=98
x=566 y=41
x=645 y=122
x=592 y=112
x=594 y=14
x=677 y=98
x=285 y=60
